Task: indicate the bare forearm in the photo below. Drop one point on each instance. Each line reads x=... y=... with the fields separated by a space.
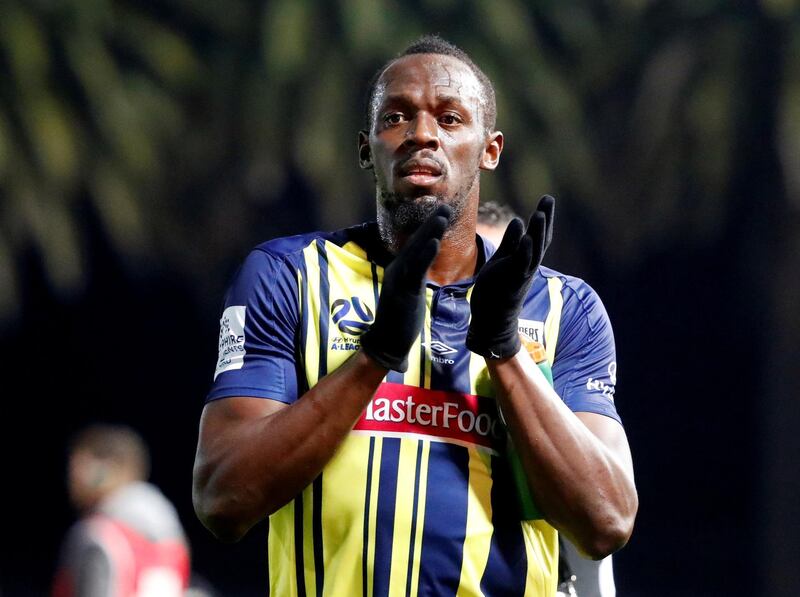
x=248 y=467
x=584 y=487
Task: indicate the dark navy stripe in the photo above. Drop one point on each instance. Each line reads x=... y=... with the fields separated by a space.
x=316 y=527
x=301 y=349
x=507 y=566
x=445 y=524
x=365 y=554
x=384 y=530
x=375 y=287
x=324 y=308
x=449 y=323
x=414 y=518
x=299 y=566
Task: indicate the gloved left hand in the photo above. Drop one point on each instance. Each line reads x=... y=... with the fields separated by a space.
x=503 y=283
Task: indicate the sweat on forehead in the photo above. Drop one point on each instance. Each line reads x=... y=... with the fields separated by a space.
x=450 y=75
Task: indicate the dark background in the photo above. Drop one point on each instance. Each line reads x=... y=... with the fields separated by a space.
x=145 y=147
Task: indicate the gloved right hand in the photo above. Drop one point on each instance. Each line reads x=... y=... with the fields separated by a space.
x=401 y=307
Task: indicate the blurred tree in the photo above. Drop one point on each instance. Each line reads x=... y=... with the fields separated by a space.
x=182 y=120
x=189 y=130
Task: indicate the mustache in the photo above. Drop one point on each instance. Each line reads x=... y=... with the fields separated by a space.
x=424 y=160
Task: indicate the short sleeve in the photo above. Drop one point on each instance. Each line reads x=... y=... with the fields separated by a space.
x=585 y=364
x=257 y=334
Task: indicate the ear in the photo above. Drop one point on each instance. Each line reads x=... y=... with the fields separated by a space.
x=492 y=151
x=364 y=153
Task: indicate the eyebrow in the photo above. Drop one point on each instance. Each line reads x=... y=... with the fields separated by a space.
x=397 y=98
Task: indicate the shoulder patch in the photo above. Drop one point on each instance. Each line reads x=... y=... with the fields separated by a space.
x=231 y=339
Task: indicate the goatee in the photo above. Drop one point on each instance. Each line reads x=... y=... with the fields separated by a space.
x=400 y=216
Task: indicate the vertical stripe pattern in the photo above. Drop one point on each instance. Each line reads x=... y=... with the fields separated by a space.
x=387 y=496
x=367 y=498
x=404 y=515
x=445 y=520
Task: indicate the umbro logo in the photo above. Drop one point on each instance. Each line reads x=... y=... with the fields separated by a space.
x=439 y=351
x=440 y=348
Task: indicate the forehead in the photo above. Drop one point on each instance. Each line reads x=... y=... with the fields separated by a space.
x=429 y=75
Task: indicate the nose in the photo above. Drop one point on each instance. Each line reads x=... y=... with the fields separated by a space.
x=423 y=132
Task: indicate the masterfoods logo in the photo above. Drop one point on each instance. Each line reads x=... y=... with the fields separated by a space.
x=401 y=410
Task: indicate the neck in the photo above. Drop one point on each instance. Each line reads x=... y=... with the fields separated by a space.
x=458 y=254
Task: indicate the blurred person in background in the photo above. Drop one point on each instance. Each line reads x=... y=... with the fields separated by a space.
x=360 y=372
x=129 y=540
x=578 y=575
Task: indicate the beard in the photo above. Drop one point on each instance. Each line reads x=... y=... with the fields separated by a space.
x=399 y=216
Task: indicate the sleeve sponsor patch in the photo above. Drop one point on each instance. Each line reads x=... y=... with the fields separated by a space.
x=607 y=389
x=532 y=329
x=231 y=339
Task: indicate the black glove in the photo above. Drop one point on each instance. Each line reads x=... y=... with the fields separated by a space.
x=401 y=308
x=504 y=281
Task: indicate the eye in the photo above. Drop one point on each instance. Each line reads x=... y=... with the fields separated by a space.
x=450 y=118
x=393 y=118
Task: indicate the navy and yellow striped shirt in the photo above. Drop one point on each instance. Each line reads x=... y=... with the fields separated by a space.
x=418 y=500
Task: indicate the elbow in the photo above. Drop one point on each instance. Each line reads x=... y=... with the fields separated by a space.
x=220 y=516
x=606 y=541
x=609 y=534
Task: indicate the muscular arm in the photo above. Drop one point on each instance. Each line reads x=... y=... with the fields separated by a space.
x=254 y=455
x=581 y=462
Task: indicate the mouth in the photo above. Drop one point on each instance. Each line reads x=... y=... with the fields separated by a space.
x=420 y=171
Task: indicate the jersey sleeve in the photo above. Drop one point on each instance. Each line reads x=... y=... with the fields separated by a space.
x=257 y=334
x=585 y=364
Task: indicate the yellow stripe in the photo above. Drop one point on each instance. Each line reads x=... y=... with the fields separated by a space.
x=553 y=321
x=311 y=352
x=425 y=446
x=373 y=512
x=354 y=258
x=479 y=381
x=426 y=330
x=411 y=376
x=280 y=552
x=401 y=543
x=478 y=540
x=346 y=283
x=344 y=487
x=541 y=546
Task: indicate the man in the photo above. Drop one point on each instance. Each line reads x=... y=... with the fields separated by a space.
x=582 y=576
x=362 y=374
x=129 y=541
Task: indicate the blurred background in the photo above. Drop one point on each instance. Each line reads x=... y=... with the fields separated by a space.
x=146 y=146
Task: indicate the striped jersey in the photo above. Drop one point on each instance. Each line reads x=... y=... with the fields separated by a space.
x=418 y=500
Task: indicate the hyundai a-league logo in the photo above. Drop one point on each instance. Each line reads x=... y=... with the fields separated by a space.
x=359 y=316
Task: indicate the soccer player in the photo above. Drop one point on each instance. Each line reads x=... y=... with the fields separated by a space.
x=585 y=577
x=369 y=379
x=129 y=540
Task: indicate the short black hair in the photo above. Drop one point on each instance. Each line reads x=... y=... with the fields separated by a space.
x=433 y=44
x=491 y=213
x=118 y=445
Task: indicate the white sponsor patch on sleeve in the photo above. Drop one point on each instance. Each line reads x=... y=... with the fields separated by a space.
x=231 y=339
x=533 y=329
